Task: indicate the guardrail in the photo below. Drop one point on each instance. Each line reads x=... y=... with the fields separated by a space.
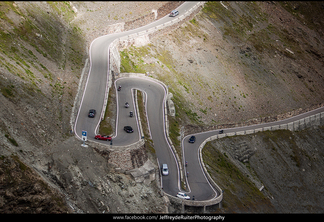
x=317 y=119
x=165 y=114
x=114 y=45
x=164 y=25
x=313 y=120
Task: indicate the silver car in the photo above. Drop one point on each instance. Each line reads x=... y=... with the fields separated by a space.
x=174 y=13
x=165 y=170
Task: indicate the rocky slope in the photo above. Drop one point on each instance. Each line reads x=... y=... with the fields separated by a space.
x=286 y=166
x=239 y=63
x=23 y=191
x=43 y=50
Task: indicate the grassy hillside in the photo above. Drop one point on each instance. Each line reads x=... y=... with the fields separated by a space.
x=236 y=63
x=232 y=62
x=41 y=57
x=43 y=47
x=40 y=61
x=289 y=166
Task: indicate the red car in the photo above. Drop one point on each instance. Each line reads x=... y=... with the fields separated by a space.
x=102 y=137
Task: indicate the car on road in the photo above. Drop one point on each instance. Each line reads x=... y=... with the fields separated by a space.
x=182 y=195
x=174 y=13
x=221 y=131
x=102 y=137
x=92 y=113
x=165 y=170
x=192 y=139
x=128 y=129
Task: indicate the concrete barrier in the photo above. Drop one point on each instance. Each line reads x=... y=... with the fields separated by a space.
x=275 y=127
x=240 y=133
x=267 y=128
x=258 y=130
x=302 y=124
x=283 y=126
x=142 y=38
x=317 y=119
x=307 y=122
x=290 y=126
x=231 y=134
x=249 y=131
x=296 y=125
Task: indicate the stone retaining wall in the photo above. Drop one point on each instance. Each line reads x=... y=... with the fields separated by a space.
x=313 y=120
x=114 y=69
x=259 y=120
x=122 y=158
x=154 y=15
x=134 y=156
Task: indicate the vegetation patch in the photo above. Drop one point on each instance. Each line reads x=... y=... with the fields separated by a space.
x=11 y=139
x=106 y=127
x=240 y=194
x=8 y=92
x=149 y=145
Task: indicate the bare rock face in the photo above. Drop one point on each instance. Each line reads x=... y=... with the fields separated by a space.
x=281 y=171
x=23 y=191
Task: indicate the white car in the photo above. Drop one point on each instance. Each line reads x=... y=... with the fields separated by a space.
x=174 y=13
x=183 y=196
x=165 y=170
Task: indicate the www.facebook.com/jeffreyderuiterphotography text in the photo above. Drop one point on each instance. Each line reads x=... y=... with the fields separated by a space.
x=170 y=217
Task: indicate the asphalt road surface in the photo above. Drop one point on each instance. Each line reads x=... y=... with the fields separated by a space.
x=94 y=94
x=197 y=181
x=95 y=89
x=155 y=100
x=93 y=98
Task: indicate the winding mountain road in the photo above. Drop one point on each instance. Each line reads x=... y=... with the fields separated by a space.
x=155 y=101
x=93 y=98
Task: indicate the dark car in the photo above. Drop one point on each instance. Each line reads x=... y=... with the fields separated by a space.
x=102 y=137
x=92 y=113
x=221 y=131
x=192 y=139
x=128 y=129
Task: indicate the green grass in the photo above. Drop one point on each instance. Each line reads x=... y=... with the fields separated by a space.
x=22 y=166
x=11 y=140
x=194 y=22
x=174 y=133
x=105 y=127
x=280 y=137
x=149 y=145
x=50 y=45
x=8 y=91
x=127 y=65
x=239 y=191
